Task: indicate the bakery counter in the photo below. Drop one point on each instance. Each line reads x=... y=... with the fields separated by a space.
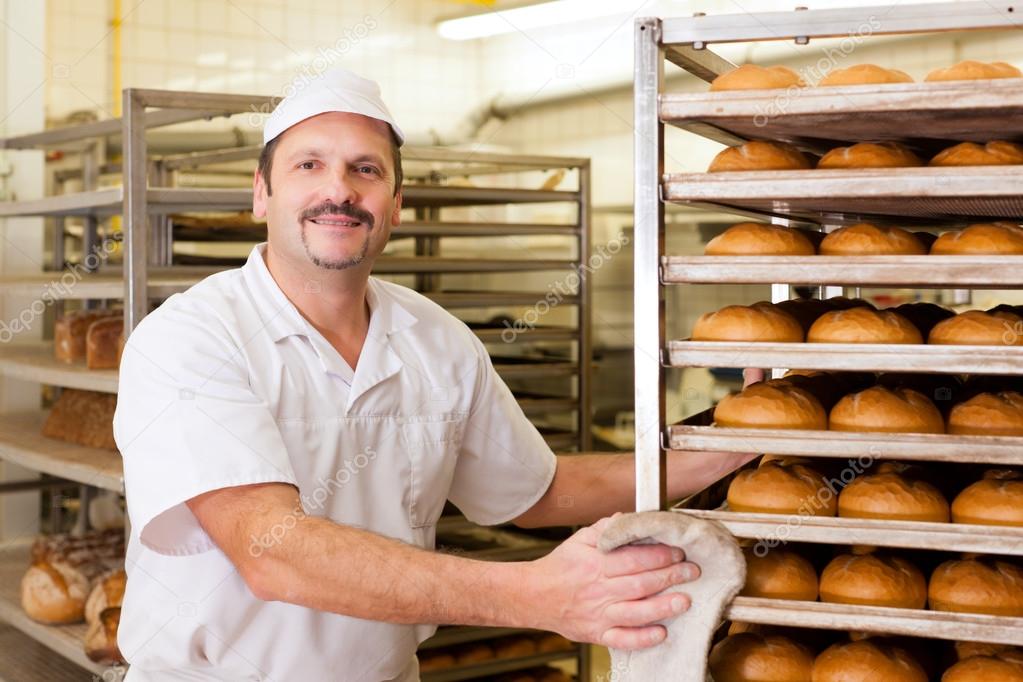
x=847 y=196
x=36 y=362
x=972 y=272
x=964 y=110
x=857 y=357
x=775 y=529
x=878 y=619
x=21 y=442
x=66 y=640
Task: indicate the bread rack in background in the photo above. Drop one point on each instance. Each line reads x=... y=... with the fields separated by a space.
x=817 y=119
x=451 y=196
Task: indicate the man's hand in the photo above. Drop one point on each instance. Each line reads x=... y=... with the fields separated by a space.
x=752 y=375
x=609 y=599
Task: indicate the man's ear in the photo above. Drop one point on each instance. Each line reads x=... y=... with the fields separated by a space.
x=396 y=213
x=258 y=195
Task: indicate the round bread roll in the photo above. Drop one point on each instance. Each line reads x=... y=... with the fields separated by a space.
x=973 y=70
x=988 y=414
x=873 y=580
x=871 y=155
x=779 y=574
x=759 y=239
x=981 y=239
x=805 y=310
x=984 y=669
x=863 y=325
x=968 y=649
x=774 y=404
x=879 y=409
x=997 y=153
x=101 y=638
x=865 y=239
x=865 y=74
x=761 y=321
x=866 y=660
x=776 y=488
x=758 y=156
x=976 y=327
x=923 y=315
x=107 y=592
x=750 y=657
x=754 y=77
x=54 y=592
x=890 y=495
x=976 y=585
x=995 y=500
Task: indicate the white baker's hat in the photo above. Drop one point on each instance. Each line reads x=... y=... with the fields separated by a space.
x=336 y=90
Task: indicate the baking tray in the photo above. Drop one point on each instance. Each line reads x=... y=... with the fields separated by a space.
x=870 y=357
x=929 y=116
x=919 y=195
x=918 y=272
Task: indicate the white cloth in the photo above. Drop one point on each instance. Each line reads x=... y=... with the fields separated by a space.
x=335 y=90
x=227 y=384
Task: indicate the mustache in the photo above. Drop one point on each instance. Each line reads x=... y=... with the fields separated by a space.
x=346 y=209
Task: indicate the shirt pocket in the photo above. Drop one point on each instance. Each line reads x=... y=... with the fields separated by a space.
x=431 y=443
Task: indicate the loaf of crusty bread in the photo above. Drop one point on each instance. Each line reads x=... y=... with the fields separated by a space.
x=83 y=417
x=70 y=330
x=101 y=343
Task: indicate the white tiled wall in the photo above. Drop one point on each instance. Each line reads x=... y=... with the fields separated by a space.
x=245 y=46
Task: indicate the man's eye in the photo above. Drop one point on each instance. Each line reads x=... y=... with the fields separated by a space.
x=307 y=165
x=367 y=169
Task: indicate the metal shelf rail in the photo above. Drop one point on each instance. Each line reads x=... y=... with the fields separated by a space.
x=928 y=117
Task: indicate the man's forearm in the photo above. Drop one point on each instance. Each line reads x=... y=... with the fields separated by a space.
x=329 y=567
x=587 y=487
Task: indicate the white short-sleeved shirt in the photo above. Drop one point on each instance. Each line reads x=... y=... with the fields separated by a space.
x=227 y=384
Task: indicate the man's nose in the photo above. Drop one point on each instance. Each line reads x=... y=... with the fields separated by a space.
x=339 y=188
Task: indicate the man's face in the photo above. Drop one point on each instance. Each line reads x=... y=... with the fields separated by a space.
x=332 y=182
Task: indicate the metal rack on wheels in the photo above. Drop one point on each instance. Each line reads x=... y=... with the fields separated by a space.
x=928 y=116
x=147 y=195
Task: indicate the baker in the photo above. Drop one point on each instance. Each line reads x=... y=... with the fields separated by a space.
x=292 y=429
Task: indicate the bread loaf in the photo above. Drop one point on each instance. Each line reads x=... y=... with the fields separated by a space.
x=866 y=239
x=873 y=580
x=889 y=494
x=758 y=156
x=977 y=585
x=54 y=592
x=107 y=592
x=101 y=638
x=976 y=327
x=775 y=404
x=871 y=155
x=754 y=77
x=759 y=239
x=780 y=488
x=995 y=500
x=863 y=325
x=867 y=659
x=101 y=343
x=865 y=74
x=70 y=330
x=974 y=70
x=751 y=657
x=997 y=153
x=883 y=410
x=83 y=417
x=763 y=322
x=981 y=239
x=779 y=574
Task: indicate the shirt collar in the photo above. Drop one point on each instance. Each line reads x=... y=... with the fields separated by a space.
x=282 y=319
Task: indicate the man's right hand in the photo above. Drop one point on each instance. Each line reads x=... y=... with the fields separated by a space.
x=610 y=599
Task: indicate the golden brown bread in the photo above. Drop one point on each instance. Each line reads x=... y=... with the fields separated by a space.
x=873 y=580
x=977 y=585
x=431 y=661
x=70 y=330
x=101 y=343
x=988 y=414
x=864 y=74
x=751 y=657
x=981 y=239
x=107 y=592
x=866 y=660
x=995 y=500
x=754 y=77
x=779 y=574
x=976 y=327
x=759 y=239
x=54 y=592
x=83 y=417
x=997 y=153
x=968 y=649
x=984 y=669
x=757 y=156
x=775 y=404
x=891 y=495
x=761 y=321
x=879 y=409
x=780 y=488
x=974 y=70
x=863 y=325
x=865 y=239
x=101 y=638
x=871 y=155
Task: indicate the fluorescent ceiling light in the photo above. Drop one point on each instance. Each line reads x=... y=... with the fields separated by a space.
x=545 y=14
